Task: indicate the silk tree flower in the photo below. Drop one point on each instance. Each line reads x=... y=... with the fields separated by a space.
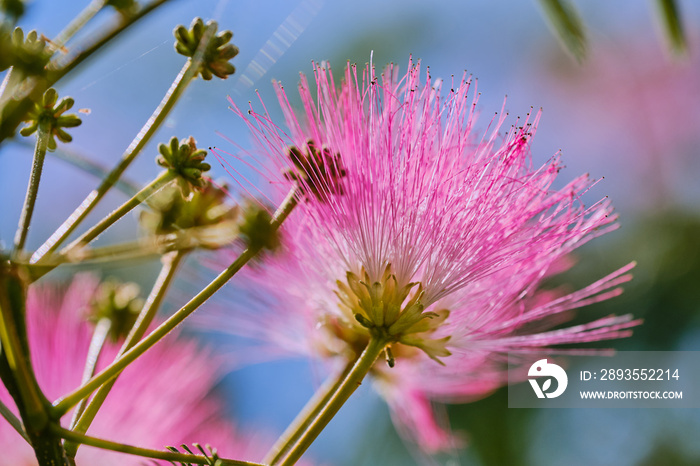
x=162 y=399
x=413 y=229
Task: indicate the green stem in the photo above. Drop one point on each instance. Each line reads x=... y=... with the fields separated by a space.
x=78 y=22
x=306 y=416
x=8 y=83
x=148 y=190
x=97 y=343
x=567 y=25
x=58 y=70
x=144 y=452
x=11 y=83
x=6 y=80
x=146 y=316
x=92 y=167
x=672 y=24
x=42 y=142
x=353 y=380
x=62 y=406
x=186 y=75
x=144 y=248
x=13 y=420
x=16 y=351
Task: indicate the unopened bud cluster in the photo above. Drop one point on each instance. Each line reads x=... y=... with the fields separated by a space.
x=186 y=161
x=50 y=117
x=217 y=51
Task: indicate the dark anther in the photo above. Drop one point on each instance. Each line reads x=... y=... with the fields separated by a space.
x=317 y=171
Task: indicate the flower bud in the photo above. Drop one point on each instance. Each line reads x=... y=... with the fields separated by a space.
x=218 y=50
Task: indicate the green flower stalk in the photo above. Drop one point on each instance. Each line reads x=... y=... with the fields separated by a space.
x=671 y=21
x=15 y=110
x=124 y=7
x=35 y=63
x=567 y=26
x=146 y=312
x=16 y=370
x=48 y=120
x=176 y=378
x=153 y=187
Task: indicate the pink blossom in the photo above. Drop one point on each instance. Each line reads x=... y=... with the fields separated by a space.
x=162 y=399
x=400 y=194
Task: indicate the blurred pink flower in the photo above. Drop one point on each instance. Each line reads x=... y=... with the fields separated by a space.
x=412 y=226
x=640 y=107
x=162 y=399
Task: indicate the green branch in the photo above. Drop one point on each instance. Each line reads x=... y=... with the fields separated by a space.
x=97 y=343
x=77 y=23
x=144 y=248
x=13 y=421
x=86 y=164
x=143 y=452
x=59 y=70
x=147 y=191
x=17 y=373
